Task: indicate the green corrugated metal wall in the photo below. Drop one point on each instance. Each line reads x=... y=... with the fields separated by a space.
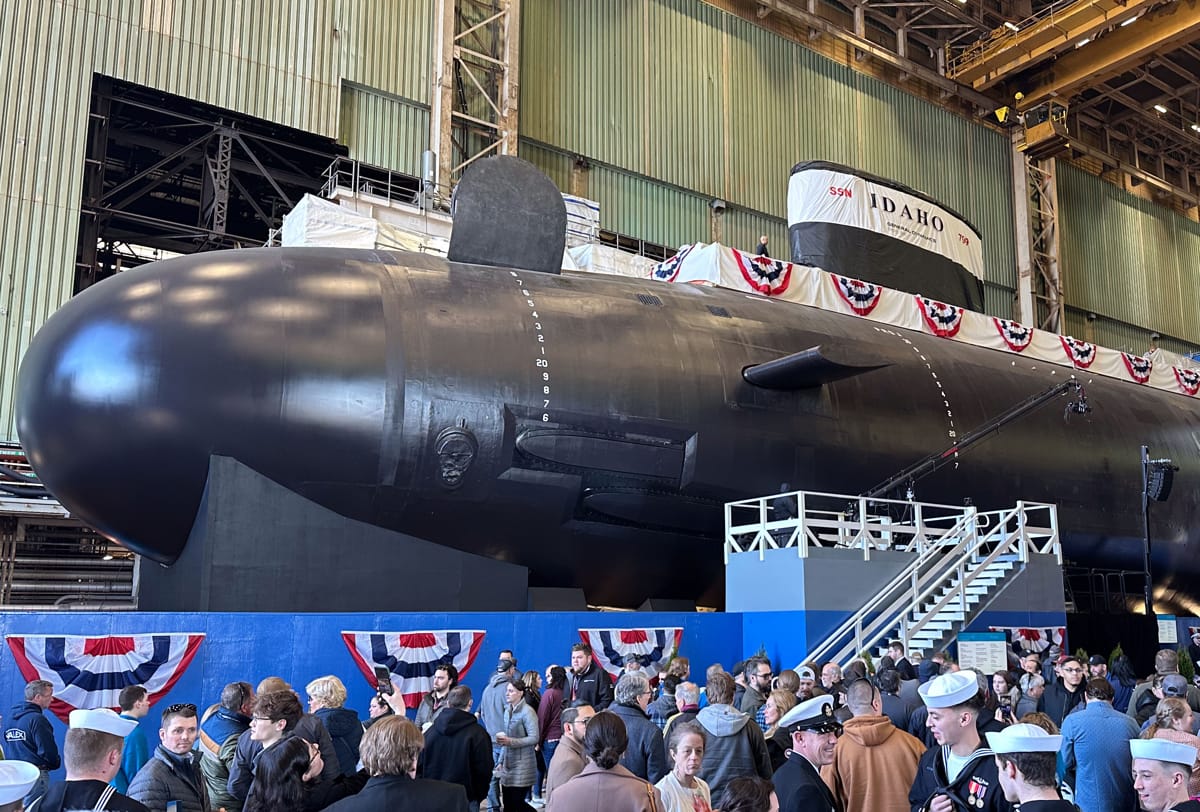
x=280 y=60
x=729 y=109
x=382 y=129
x=1126 y=258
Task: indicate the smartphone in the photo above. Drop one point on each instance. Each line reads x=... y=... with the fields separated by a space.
x=383 y=679
x=172 y=806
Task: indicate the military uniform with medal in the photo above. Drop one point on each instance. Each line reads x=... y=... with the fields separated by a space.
x=814 y=732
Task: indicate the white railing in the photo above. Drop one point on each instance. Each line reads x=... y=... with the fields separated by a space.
x=952 y=545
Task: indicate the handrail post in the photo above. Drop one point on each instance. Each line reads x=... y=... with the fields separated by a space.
x=1023 y=531
x=762 y=529
x=962 y=588
x=728 y=529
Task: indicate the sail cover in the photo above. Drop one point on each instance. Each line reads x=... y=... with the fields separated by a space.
x=870 y=228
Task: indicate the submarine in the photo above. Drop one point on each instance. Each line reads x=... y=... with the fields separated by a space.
x=589 y=428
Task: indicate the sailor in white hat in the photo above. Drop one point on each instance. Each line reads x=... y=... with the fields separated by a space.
x=1025 y=758
x=961 y=773
x=92 y=754
x=1161 y=770
x=814 y=732
x=16 y=779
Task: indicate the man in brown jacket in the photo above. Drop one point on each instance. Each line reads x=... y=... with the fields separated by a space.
x=569 y=759
x=874 y=763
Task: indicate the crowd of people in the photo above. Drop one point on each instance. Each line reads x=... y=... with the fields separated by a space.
x=915 y=734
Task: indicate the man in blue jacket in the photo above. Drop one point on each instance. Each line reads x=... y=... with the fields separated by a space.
x=135 y=704
x=29 y=736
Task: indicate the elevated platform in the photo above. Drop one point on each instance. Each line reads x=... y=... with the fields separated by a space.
x=861 y=572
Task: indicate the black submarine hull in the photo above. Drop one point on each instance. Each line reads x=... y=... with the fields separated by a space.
x=587 y=427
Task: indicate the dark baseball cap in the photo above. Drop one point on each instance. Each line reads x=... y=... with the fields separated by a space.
x=504 y=665
x=1097 y=659
x=1174 y=685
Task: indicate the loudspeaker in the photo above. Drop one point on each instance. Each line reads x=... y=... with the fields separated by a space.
x=1158 y=485
x=667 y=605
x=556 y=599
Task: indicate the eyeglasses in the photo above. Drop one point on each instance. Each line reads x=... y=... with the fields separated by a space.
x=1072 y=670
x=181 y=707
x=262 y=719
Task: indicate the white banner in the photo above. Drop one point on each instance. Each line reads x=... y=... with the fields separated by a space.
x=825 y=196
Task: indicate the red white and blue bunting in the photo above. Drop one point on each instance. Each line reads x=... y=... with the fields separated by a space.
x=714 y=264
x=1080 y=353
x=1036 y=640
x=1139 y=368
x=653 y=648
x=1017 y=337
x=942 y=319
x=91 y=672
x=764 y=275
x=1189 y=380
x=862 y=297
x=412 y=657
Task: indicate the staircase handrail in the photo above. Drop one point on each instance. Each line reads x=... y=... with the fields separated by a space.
x=935 y=577
x=910 y=578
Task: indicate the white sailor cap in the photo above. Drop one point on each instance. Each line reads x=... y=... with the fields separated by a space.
x=806 y=673
x=812 y=714
x=949 y=690
x=1023 y=739
x=1163 y=750
x=104 y=720
x=16 y=779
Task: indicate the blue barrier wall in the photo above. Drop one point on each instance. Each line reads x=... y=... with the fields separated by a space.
x=301 y=647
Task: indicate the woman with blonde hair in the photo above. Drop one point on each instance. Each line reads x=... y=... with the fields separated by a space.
x=779 y=702
x=1173 y=721
x=326 y=701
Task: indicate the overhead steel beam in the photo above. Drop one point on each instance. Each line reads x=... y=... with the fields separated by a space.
x=916 y=70
x=1007 y=51
x=1162 y=29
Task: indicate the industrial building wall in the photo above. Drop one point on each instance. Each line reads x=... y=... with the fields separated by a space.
x=280 y=60
x=1130 y=261
x=676 y=95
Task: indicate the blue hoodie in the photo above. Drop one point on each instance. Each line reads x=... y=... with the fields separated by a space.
x=29 y=737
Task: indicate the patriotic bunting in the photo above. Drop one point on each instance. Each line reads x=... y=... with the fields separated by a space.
x=667 y=271
x=1189 y=380
x=861 y=296
x=1139 y=368
x=1079 y=353
x=767 y=276
x=942 y=319
x=715 y=264
x=90 y=672
x=653 y=647
x=1037 y=640
x=1016 y=336
x=412 y=657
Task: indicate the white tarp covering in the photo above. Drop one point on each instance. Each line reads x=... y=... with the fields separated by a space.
x=609 y=260
x=317 y=222
x=716 y=264
x=821 y=195
x=583 y=220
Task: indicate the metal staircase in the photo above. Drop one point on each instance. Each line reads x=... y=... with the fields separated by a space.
x=962 y=558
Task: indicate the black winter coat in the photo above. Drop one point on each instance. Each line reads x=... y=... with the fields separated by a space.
x=592 y=686
x=458 y=751
x=645 y=756
x=1057 y=701
x=345 y=731
x=390 y=793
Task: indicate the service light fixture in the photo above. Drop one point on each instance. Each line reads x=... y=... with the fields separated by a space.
x=1160 y=108
x=1011 y=26
x=1083 y=42
x=1196 y=127
x=1130 y=21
